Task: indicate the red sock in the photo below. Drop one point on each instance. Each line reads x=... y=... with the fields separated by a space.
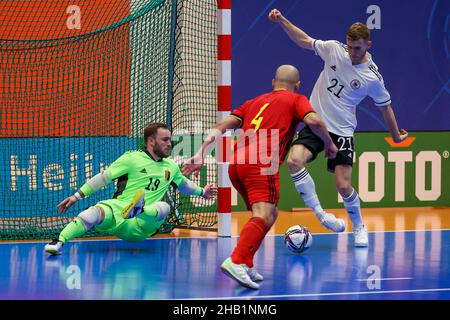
x=250 y=239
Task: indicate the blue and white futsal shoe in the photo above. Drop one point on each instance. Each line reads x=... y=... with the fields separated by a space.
x=136 y=206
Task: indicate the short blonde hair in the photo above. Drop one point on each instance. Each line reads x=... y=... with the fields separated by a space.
x=357 y=31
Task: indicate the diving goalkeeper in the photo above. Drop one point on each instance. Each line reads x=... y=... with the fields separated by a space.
x=136 y=211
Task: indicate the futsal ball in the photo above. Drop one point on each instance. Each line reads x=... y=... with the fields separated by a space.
x=298 y=239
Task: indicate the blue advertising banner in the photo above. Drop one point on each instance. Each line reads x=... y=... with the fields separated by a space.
x=38 y=173
x=410 y=45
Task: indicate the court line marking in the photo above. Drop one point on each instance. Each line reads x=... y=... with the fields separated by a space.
x=385 y=279
x=215 y=237
x=318 y=294
x=379 y=231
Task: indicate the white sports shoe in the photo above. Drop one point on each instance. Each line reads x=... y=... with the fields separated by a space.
x=361 y=237
x=330 y=222
x=239 y=273
x=254 y=275
x=54 y=247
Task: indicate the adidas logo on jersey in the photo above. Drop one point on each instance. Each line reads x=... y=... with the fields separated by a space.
x=333 y=67
x=143 y=171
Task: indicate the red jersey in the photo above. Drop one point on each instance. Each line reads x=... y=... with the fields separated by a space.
x=268 y=124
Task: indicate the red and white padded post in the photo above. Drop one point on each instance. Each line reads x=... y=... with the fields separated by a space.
x=223 y=110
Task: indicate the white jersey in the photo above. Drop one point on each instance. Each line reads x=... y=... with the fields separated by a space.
x=341 y=86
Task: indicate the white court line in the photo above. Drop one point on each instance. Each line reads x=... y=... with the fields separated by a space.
x=385 y=279
x=212 y=237
x=318 y=294
x=350 y=232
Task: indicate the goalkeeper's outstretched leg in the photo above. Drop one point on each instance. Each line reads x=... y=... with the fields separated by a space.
x=84 y=222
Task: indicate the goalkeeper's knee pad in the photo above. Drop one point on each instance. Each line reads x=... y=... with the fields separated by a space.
x=91 y=217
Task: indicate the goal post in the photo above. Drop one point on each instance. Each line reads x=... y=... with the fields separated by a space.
x=223 y=110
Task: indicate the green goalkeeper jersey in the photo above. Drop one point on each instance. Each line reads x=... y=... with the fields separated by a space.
x=136 y=170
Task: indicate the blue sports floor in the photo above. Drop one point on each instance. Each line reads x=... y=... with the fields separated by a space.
x=397 y=265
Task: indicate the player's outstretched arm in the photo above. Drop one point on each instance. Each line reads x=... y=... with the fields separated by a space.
x=195 y=163
x=391 y=123
x=209 y=191
x=92 y=185
x=190 y=188
x=67 y=203
x=295 y=33
x=313 y=121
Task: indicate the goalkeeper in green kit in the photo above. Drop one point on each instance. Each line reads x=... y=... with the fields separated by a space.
x=136 y=211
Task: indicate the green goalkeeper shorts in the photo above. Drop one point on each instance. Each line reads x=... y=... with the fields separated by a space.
x=135 y=229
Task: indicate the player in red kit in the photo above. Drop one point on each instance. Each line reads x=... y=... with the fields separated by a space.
x=268 y=125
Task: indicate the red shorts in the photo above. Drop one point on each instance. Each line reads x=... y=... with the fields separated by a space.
x=254 y=186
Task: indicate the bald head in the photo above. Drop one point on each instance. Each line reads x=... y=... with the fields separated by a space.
x=287 y=73
x=286 y=77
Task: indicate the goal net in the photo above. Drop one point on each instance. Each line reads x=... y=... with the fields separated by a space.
x=78 y=84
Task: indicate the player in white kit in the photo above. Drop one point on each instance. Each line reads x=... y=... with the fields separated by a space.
x=349 y=75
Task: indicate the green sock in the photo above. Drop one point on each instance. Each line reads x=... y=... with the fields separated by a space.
x=74 y=229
